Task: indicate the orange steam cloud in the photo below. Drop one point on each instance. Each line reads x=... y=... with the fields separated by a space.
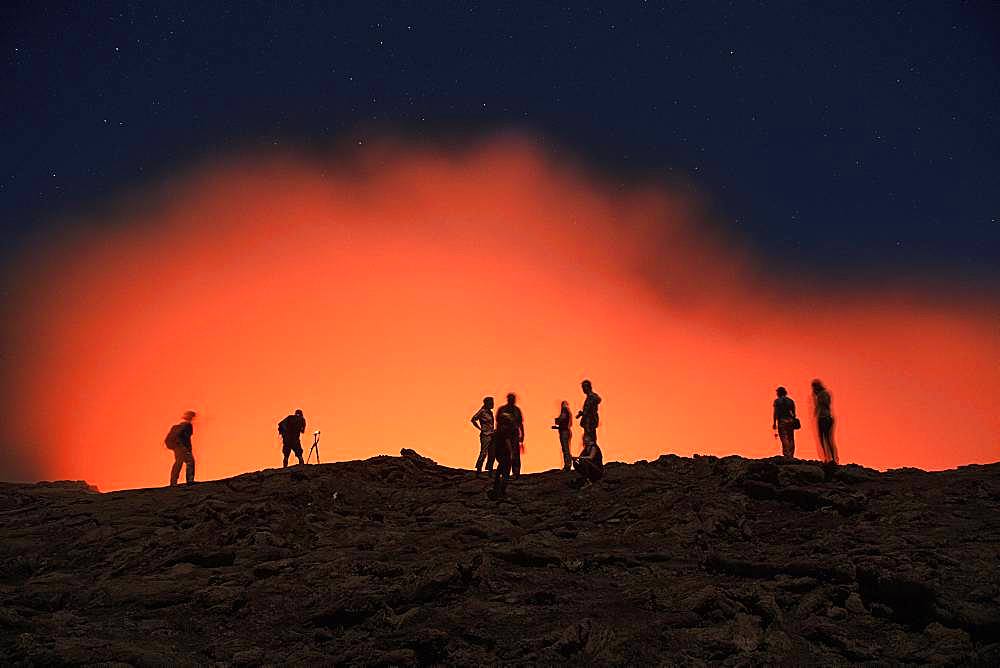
x=386 y=295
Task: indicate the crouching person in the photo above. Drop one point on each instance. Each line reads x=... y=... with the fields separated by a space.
x=590 y=464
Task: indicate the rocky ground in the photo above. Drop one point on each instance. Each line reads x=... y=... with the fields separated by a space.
x=396 y=560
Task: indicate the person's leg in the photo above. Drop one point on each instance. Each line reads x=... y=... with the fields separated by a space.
x=580 y=465
x=564 y=439
x=175 y=470
x=502 y=472
x=832 y=445
x=823 y=425
x=484 y=447
x=189 y=465
x=503 y=475
x=298 y=452
x=787 y=444
x=515 y=458
x=491 y=456
x=594 y=472
x=286 y=450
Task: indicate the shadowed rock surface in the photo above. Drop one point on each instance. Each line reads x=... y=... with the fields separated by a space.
x=396 y=560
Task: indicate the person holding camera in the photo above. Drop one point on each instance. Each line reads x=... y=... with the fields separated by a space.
x=564 y=424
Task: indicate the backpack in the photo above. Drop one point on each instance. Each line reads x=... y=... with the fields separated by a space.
x=172 y=439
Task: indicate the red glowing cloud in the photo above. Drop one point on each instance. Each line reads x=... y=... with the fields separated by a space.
x=385 y=297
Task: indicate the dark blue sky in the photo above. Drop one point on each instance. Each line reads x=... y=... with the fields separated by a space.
x=856 y=138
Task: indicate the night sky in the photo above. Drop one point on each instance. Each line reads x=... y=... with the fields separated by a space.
x=853 y=138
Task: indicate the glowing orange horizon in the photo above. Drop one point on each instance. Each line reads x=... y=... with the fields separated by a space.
x=386 y=298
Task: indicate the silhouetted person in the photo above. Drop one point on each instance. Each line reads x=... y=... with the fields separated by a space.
x=290 y=429
x=590 y=463
x=564 y=423
x=515 y=431
x=483 y=421
x=506 y=442
x=589 y=420
x=824 y=422
x=179 y=440
x=783 y=422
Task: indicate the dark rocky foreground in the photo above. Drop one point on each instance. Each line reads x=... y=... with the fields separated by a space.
x=396 y=560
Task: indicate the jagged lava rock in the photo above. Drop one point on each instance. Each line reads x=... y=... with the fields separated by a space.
x=397 y=560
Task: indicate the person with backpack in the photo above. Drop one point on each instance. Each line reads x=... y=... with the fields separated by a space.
x=179 y=440
x=564 y=424
x=290 y=429
x=784 y=423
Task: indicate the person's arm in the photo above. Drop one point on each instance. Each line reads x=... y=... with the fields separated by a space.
x=791 y=407
x=302 y=427
x=475 y=421
x=520 y=426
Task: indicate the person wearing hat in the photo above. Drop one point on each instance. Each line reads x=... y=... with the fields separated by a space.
x=179 y=440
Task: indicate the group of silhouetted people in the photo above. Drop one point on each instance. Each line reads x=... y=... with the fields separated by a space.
x=501 y=436
x=784 y=422
x=501 y=440
x=178 y=439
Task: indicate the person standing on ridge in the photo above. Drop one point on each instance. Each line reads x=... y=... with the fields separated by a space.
x=510 y=426
x=589 y=420
x=290 y=429
x=564 y=424
x=783 y=422
x=483 y=421
x=824 y=422
x=179 y=440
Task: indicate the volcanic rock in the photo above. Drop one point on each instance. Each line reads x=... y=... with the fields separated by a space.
x=399 y=561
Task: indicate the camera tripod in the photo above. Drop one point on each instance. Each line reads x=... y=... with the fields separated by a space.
x=314 y=448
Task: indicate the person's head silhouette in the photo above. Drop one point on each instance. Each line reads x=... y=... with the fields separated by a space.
x=298 y=411
x=781 y=391
x=188 y=416
x=488 y=402
x=587 y=387
x=511 y=398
